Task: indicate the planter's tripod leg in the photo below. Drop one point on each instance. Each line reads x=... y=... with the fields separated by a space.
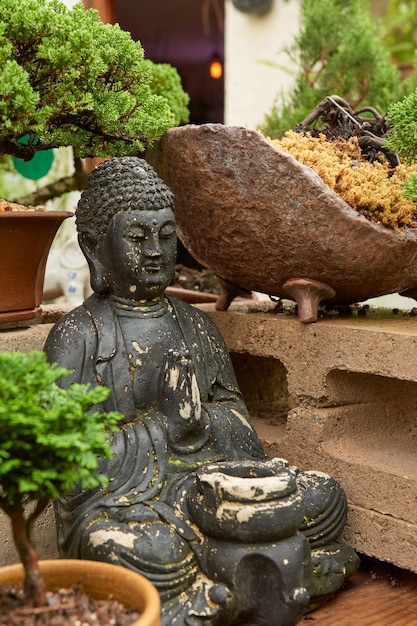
x=308 y=294
x=228 y=294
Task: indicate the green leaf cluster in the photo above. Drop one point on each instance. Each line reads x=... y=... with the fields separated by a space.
x=338 y=50
x=410 y=188
x=50 y=438
x=402 y=118
x=67 y=79
x=166 y=82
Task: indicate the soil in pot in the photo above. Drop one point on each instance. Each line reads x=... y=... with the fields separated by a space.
x=198 y=279
x=66 y=607
x=102 y=594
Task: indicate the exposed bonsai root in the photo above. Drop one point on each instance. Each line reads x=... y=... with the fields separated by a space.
x=339 y=120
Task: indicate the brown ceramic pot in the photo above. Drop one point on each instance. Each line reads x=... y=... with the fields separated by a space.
x=25 y=240
x=98 y=579
x=262 y=221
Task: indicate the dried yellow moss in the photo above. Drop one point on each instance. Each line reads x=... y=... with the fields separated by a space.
x=373 y=189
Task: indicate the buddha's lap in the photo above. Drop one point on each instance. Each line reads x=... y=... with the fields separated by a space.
x=154 y=542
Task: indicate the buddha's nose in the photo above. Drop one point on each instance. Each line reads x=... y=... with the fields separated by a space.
x=152 y=246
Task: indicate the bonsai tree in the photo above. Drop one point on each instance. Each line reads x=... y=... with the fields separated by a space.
x=338 y=50
x=67 y=79
x=50 y=441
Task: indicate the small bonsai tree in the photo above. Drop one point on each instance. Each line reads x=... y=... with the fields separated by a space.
x=68 y=79
x=50 y=441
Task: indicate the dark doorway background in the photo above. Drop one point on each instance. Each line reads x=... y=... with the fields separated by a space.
x=188 y=34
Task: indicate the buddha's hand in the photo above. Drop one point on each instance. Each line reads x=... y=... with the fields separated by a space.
x=179 y=398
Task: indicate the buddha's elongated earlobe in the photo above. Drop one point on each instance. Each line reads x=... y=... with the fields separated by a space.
x=98 y=279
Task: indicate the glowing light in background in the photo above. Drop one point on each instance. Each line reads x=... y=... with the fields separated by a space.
x=216 y=68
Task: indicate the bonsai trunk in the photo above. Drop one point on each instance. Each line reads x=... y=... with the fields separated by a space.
x=22 y=535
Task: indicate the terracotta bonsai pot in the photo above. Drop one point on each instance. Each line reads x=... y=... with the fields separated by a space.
x=262 y=221
x=25 y=240
x=99 y=580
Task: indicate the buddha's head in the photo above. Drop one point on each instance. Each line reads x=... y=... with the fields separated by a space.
x=126 y=229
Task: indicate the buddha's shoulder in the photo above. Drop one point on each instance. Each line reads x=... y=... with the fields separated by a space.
x=201 y=320
x=78 y=320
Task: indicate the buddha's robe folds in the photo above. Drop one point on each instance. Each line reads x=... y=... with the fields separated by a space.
x=140 y=519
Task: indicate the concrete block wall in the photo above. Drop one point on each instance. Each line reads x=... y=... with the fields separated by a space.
x=338 y=396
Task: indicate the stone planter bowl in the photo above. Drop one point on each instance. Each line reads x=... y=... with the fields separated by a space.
x=262 y=221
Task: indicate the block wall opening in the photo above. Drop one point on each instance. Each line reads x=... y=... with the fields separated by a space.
x=263 y=382
x=372 y=419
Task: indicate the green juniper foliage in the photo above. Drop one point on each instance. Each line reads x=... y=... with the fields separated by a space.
x=51 y=440
x=338 y=50
x=67 y=79
x=402 y=118
x=410 y=188
x=165 y=82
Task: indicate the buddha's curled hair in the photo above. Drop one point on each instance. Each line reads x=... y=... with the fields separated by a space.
x=120 y=184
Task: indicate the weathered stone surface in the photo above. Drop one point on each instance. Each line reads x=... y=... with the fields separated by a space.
x=341 y=395
x=24 y=339
x=258 y=218
x=44 y=536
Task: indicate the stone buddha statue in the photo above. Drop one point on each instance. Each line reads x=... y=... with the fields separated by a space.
x=192 y=503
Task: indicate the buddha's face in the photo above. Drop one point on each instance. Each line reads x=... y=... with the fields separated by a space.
x=138 y=253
